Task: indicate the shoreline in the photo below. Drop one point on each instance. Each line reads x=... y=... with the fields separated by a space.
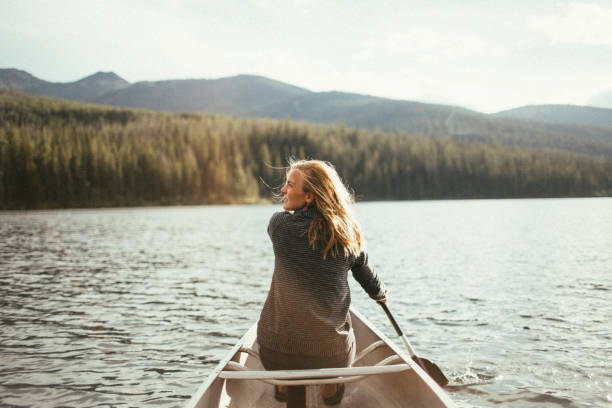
x=271 y=202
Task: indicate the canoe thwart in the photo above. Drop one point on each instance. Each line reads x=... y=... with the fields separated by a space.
x=273 y=377
x=320 y=376
x=232 y=365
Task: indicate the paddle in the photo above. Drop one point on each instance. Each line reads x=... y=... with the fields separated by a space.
x=430 y=368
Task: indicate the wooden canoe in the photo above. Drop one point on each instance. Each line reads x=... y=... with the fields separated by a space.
x=383 y=376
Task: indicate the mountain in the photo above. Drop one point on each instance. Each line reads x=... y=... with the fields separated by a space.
x=244 y=95
x=235 y=95
x=365 y=111
x=16 y=80
x=583 y=130
x=582 y=115
x=89 y=88
x=603 y=100
x=86 y=89
x=261 y=97
x=255 y=96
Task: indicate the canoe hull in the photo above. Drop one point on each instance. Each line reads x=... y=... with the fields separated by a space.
x=411 y=388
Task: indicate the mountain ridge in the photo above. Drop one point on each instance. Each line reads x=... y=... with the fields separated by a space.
x=86 y=89
x=231 y=95
x=569 y=114
x=258 y=96
x=17 y=80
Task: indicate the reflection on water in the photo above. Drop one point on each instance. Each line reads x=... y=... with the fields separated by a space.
x=136 y=306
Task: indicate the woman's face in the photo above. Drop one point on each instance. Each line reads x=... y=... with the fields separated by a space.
x=295 y=197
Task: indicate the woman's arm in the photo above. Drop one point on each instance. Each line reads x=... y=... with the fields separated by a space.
x=368 y=279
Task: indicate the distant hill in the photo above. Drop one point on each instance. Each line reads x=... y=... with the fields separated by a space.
x=366 y=111
x=235 y=95
x=582 y=130
x=571 y=114
x=440 y=121
x=255 y=96
x=602 y=100
x=16 y=80
x=86 y=89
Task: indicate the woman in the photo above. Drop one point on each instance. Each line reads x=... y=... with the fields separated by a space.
x=305 y=321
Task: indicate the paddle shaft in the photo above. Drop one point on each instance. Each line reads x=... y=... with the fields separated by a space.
x=398 y=329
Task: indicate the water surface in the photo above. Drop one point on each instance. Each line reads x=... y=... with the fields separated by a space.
x=134 y=307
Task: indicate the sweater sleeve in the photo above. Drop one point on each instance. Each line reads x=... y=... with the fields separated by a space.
x=367 y=278
x=276 y=219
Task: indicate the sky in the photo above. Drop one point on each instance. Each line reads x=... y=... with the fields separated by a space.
x=486 y=55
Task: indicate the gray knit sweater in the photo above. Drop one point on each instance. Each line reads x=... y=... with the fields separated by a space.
x=306 y=312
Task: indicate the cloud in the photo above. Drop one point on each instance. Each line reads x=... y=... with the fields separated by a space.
x=579 y=23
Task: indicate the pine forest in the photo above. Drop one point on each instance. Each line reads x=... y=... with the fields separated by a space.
x=59 y=154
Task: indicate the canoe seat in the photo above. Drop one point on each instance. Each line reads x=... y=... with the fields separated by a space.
x=237 y=371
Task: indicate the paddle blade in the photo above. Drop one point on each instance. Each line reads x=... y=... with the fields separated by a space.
x=432 y=369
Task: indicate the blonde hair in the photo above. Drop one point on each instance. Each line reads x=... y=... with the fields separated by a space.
x=334 y=225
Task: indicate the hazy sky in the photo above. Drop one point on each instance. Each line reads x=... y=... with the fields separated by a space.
x=486 y=55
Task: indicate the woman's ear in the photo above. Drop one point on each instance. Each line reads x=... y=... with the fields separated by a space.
x=309 y=198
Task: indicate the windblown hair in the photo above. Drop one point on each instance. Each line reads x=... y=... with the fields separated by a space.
x=334 y=227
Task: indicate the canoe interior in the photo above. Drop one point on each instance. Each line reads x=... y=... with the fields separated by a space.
x=405 y=389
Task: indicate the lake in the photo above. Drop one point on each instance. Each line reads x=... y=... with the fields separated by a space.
x=135 y=306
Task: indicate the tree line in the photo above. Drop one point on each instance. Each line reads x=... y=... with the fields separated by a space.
x=56 y=154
